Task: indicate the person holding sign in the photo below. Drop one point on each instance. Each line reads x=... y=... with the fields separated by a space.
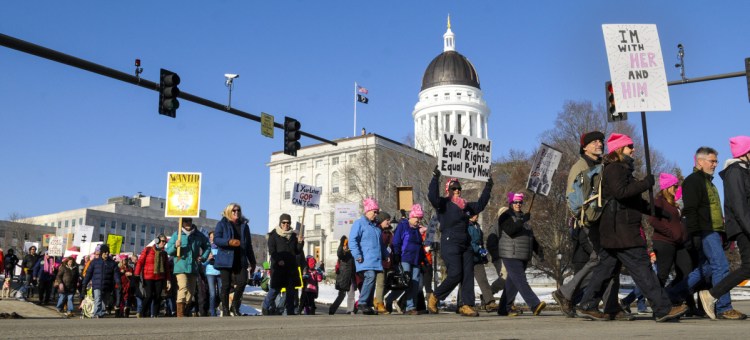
x=194 y=249
x=284 y=246
x=44 y=272
x=453 y=213
x=368 y=251
x=234 y=255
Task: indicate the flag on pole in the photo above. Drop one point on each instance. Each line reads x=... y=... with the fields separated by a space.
x=362 y=90
x=362 y=99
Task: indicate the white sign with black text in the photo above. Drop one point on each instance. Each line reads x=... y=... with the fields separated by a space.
x=544 y=167
x=306 y=195
x=465 y=157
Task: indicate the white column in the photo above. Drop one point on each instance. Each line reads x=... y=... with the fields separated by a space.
x=440 y=123
x=454 y=122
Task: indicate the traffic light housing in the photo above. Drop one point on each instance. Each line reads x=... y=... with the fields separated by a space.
x=168 y=93
x=747 y=76
x=291 y=136
x=612 y=114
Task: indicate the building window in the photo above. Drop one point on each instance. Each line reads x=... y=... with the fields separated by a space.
x=142 y=243
x=334 y=182
x=458 y=96
x=302 y=166
x=447 y=96
x=435 y=97
x=162 y=205
x=318 y=164
x=334 y=246
x=103 y=224
x=352 y=158
x=132 y=241
x=59 y=224
x=101 y=237
x=124 y=226
x=352 y=184
x=153 y=229
x=73 y=222
x=287 y=189
x=317 y=220
x=287 y=169
x=318 y=178
x=335 y=161
x=80 y=221
x=113 y=225
x=143 y=228
x=66 y=223
x=161 y=230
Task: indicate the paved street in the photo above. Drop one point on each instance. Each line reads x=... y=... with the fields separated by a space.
x=551 y=325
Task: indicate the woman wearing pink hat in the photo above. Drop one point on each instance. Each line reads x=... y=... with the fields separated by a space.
x=454 y=212
x=368 y=250
x=408 y=253
x=621 y=241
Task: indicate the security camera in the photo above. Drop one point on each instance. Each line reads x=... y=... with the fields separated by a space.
x=231 y=76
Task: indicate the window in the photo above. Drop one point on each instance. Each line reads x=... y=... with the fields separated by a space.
x=335 y=161
x=73 y=222
x=334 y=246
x=318 y=164
x=458 y=96
x=302 y=166
x=101 y=237
x=80 y=221
x=124 y=226
x=161 y=230
x=435 y=97
x=162 y=205
x=317 y=220
x=59 y=224
x=287 y=189
x=447 y=96
x=447 y=122
x=103 y=224
x=334 y=182
x=113 y=225
x=153 y=229
x=142 y=243
x=132 y=241
x=143 y=228
x=352 y=184
x=318 y=178
x=66 y=223
x=287 y=169
x=352 y=158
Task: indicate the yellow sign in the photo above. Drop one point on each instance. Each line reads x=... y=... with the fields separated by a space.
x=266 y=124
x=45 y=239
x=183 y=194
x=115 y=243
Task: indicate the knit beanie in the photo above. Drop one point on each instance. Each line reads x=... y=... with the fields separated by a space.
x=285 y=217
x=589 y=137
x=667 y=180
x=617 y=141
x=739 y=145
x=382 y=216
x=370 y=204
x=416 y=211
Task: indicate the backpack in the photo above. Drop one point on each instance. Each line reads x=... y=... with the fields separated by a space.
x=585 y=201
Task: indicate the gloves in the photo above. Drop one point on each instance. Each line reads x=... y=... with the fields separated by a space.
x=234 y=242
x=436 y=172
x=526 y=217
x=650 y=179
x=482 y=252
x=490 y=182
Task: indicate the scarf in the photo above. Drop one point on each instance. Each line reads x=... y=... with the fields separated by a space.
x=460 y=202
x=285 y=234
x=49 y=265
x=158 y=262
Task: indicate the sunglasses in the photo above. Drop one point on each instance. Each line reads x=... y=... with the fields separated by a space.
x=630 y=146
x=236 y=210
x=517 y=202
x=286 y=222
x=455 y=188
x=162 y=241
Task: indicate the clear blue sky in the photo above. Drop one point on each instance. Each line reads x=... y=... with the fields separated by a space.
x=71 y=139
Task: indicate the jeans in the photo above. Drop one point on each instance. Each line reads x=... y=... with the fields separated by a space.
x=61 y=300
x=98 y=303
x=712 y=262
x=269 y=303
x=368 y=288
x=634 y=295
x=737 y=276
x=349 y=301
x=411 y=292
x=517 y=283
x=214 y=286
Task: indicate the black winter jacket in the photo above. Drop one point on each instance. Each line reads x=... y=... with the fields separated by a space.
x=454 y=221
x=103 y=274
x=697 y=209
x=346 y=269
x=736 y=177
x=619 y=226
x=287 y=250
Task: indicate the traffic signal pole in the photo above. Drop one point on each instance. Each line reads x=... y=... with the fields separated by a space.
x=46 y=53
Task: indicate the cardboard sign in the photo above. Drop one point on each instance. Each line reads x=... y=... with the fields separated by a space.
x=183 y=194
x=344 y=216
x=544 y=167
x=45 y=239
x=306 y=195
x=83 y=233
x=115 y=243
x=636 y=68
x=56 y=246
x=465 y=157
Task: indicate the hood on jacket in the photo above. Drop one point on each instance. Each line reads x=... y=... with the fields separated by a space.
x=729 y=163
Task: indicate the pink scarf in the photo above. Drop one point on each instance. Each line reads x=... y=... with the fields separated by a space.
x=460 y=202
x=49 y=265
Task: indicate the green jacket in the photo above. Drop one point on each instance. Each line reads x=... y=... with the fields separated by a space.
x=194 y=246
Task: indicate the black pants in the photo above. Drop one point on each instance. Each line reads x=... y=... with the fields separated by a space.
x=737 y=276
x=153 y=295
x=459 y=262
x=637 y=261
x=668 y=255
x=232 y=279
x=45 y=291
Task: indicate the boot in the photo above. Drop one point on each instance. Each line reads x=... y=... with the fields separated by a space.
x=180 y=309
x=126 y=312
x=432 y=304
x=380 y=308
x=467 y=310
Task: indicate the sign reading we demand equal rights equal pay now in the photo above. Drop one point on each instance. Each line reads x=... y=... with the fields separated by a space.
x=465 y=157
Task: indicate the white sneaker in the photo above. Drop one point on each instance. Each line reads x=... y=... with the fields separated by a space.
x=396 y=308
x=709 y=303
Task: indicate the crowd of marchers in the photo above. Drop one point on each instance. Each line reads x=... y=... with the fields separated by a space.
x=382 y=269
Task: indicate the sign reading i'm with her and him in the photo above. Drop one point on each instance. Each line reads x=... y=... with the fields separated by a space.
x=306 y=195
x=636 y=67
x=544 y=167
x=465 y=157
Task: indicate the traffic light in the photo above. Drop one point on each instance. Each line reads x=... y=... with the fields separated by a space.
x=612 y=114
x=747 y=75
x=168 y=93
x=291 y=136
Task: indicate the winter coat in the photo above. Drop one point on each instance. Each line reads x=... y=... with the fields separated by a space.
x=287 y=250
x=453 y=220
x=697 y=210
x=68 y=276
x=736 y=177
x=346 y=269
x=210 y=270
x=477 y=242
x=407 y=243
x=583 y=163
x=366 y=244
x=28 y=262
x=225 y=232
x=145 y=265
x=42 y=275
x=668 y=228
x=386 y=237
x=620 y=223
x=517 y=238
x=103 y=274
x=11 y=261
x=195 y=246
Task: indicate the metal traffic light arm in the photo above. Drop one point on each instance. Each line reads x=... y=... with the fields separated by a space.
x=43 y=52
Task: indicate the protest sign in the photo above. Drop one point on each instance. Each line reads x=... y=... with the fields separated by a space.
x=183 y=194
x=115 y=243
x=544 y=167
x=56 y=246
x=344 y=216
x=83 y=233
x=306 y=195
x=465 y=157
x=636 y=67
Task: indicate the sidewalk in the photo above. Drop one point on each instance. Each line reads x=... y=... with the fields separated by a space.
x=27 y=310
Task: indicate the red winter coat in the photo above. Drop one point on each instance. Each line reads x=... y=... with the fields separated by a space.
x=145 y=265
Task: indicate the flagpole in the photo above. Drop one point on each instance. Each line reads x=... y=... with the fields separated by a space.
x=354 y=129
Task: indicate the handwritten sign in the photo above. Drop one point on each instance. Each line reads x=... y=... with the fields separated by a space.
x=544 y=167
x=344 y=215
x=115 y=243
x=465 y=157
x=183 y=194
x=84 y=233
x=306 y=195
x=56 y=247
x=636 y=67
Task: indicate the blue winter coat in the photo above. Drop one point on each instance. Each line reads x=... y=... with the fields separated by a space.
x=210 y=270
x=223 y=233
x=102 y=274
x=454 y=220
x=407 y=243
x=365 y=243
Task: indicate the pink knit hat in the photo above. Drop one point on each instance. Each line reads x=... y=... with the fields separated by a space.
x=370 y=204
x=667 y=180
x=739 y=145
x=617 y=141
x=448 y=185
x=515 y=196
x=678 y=194
x=416 y=211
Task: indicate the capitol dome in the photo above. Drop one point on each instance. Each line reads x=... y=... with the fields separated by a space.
x=450 y=68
